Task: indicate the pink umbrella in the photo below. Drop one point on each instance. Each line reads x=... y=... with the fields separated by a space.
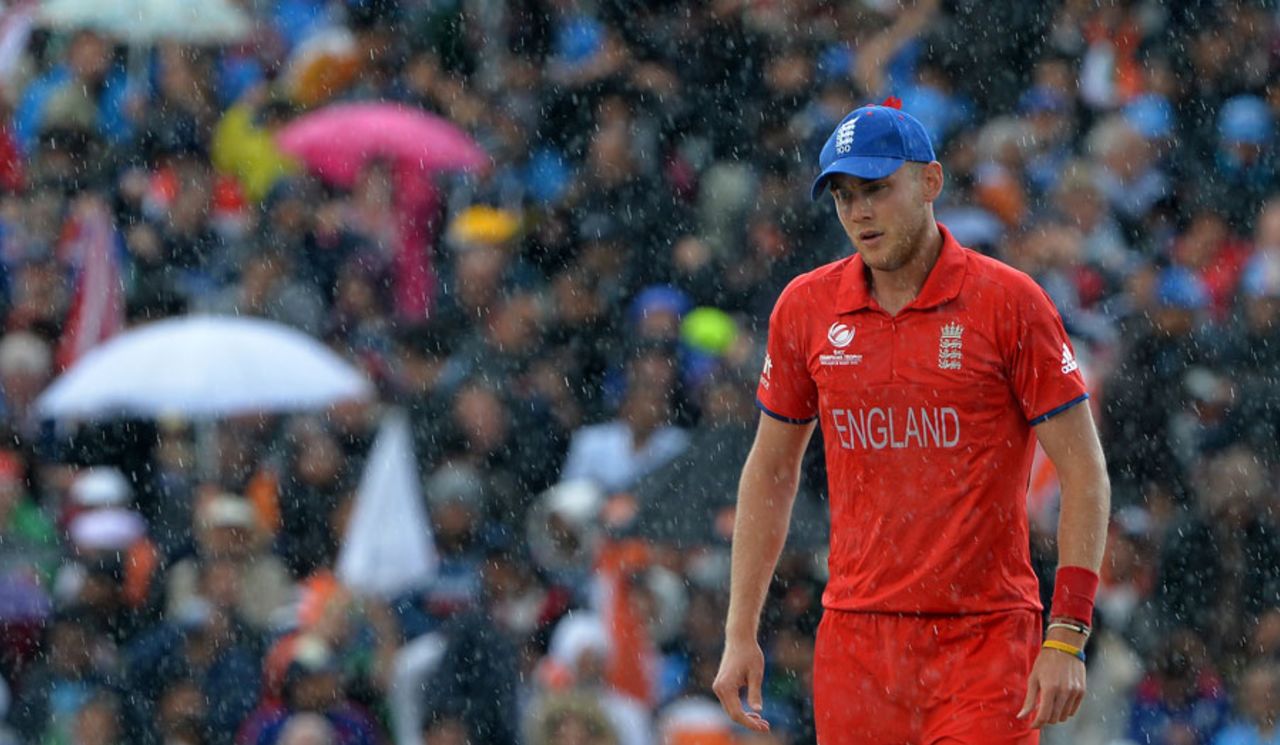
x=336 y=142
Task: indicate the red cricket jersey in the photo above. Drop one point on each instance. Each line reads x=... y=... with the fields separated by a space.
x=926 y=418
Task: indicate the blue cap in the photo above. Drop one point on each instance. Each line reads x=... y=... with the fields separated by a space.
x=871 y=143
x=1040 y=99
x=659 y=299
x=1178 y=287
x=1261 y=276
x=1245 y=119
x=1151 y=115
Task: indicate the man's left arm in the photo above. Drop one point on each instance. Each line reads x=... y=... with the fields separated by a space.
x=1057 y=683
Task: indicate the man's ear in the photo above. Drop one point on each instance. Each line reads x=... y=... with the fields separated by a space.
x=931 y=180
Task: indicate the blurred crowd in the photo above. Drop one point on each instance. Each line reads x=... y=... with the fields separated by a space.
x=578 y=358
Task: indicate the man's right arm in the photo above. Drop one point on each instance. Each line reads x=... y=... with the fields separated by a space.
x=766 y=493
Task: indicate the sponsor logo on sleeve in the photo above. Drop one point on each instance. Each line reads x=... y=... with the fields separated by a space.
x=1069 y=364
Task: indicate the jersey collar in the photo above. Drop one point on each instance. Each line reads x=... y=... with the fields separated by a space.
x=942 y=285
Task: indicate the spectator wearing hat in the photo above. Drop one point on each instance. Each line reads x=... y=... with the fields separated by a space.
x=97 y=487
x=102 y=521
x=1048 y=111
x=482 y=262
x=1152 y=116
x=227 y=529
x=456 y=505
x=360 y=631
x=26 y=366
x=1243 y=161
x=312 y=684
x=640 y=439
x=575 y=665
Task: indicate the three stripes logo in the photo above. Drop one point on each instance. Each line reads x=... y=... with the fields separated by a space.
x=1069 y=364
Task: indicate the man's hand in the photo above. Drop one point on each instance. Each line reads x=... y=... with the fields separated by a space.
x=742 y=665
x=1055 y=689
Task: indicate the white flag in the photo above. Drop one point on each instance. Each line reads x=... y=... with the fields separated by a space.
x=389 y=548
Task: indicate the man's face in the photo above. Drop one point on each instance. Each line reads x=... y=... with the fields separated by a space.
x=886 y=218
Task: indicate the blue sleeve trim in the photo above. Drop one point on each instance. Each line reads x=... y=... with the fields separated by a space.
x=782 y=418
x=1054 y=412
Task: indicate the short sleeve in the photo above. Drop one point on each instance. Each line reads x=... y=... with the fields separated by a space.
x=787 y=391
x=1044 y=373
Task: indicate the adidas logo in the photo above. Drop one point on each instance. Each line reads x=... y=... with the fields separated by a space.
x=844 y=136
x=1069 y=364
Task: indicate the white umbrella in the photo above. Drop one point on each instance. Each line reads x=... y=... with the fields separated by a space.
x=388 y=547
x=203 y=367
x=149 y=21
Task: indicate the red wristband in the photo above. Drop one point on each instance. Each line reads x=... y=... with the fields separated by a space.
x=1073 y=592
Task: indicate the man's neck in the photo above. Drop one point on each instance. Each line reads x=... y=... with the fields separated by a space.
x=893 y=290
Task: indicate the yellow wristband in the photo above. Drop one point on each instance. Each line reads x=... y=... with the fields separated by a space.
x=1074 y=651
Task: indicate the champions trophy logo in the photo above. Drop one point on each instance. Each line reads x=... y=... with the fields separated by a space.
x=950 y=346
x=840 y=335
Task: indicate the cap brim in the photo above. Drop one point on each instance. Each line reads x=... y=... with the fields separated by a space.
x=863 y=166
